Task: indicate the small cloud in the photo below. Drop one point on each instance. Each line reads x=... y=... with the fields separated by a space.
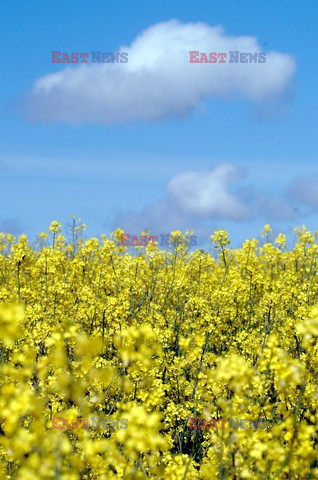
x=207 y=194
x=191 y=197
x=198 y=199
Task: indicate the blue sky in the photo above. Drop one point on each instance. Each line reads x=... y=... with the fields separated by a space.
x=157 y=142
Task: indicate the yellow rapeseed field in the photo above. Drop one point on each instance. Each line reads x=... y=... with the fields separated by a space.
x=156 y=337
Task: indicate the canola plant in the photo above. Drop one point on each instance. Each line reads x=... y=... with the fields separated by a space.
x=157 y=336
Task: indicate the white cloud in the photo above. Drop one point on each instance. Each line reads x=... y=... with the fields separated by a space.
x=195 y=199
x=206 y=193
x=158 y=80
x=191 y=197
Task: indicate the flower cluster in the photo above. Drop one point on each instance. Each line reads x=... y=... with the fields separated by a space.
x=154 y=336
